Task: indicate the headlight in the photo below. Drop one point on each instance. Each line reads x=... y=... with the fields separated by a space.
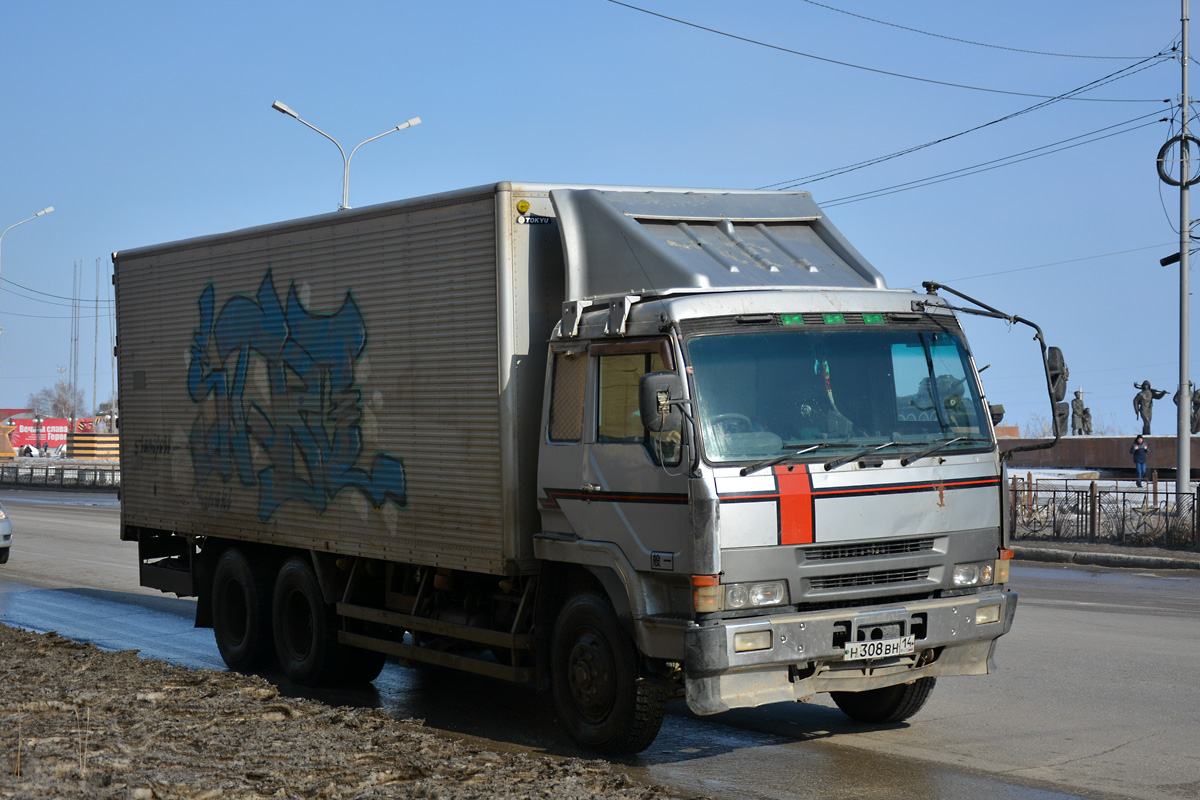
x=754 y=595
x=710 y=596
x=3 y=513
x=980 y=573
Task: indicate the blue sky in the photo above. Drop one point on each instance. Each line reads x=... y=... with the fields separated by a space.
x=146 y=122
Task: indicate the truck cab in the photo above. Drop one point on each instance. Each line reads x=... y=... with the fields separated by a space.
x=787 y=485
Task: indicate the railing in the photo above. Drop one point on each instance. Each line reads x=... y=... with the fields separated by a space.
x=1133 y=517
x=61 y=476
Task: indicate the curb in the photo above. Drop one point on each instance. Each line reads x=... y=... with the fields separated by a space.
x=1102 y=559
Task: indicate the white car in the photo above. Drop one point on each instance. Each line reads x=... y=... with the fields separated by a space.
x=5 y=534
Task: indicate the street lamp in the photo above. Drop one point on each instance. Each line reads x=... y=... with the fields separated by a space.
x=283 y=109
x=45 y=210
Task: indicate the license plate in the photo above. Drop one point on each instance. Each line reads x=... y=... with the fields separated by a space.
x=881 y=648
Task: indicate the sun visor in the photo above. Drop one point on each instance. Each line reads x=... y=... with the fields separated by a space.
x=662 y=242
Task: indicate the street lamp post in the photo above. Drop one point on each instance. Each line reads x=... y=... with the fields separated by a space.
x=45 y=210
x=283 y=109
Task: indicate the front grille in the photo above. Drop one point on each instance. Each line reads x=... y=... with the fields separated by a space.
x=870 y=579
x=832 y=552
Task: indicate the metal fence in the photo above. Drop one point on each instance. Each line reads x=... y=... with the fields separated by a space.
x=1134 y=517
x=61 y=476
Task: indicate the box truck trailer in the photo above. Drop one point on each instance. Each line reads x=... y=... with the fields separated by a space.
x=631 y=444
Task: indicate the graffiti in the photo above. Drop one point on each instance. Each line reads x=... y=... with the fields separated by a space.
x=220 y=500
x=280 y=409
x=153 y=444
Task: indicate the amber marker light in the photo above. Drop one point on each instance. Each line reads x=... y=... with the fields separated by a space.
x=706 y=593
x=1002 y=565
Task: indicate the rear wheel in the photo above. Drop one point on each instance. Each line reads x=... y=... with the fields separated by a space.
x=241 y=611
x=601 y=699
x=306 y=633
x=305 y=625
x=889 y=704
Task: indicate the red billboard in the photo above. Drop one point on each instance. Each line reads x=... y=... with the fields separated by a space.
x=45 y=435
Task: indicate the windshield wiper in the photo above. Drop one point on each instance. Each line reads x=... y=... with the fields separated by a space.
x=904 y=462
x=834 y=463
x=770 y=462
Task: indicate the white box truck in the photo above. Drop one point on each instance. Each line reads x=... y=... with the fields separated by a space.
x=631 y=443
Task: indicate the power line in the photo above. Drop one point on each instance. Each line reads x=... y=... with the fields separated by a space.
x=46 y=316
x=1059 y=263
x=867 y=69
x=987 y=166
x=35 y=291
x=836 y=171
x=968 y=41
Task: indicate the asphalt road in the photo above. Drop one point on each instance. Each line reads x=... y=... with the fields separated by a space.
x=1096 y=695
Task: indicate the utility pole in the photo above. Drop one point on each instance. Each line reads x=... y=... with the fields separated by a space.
x=1183 y=439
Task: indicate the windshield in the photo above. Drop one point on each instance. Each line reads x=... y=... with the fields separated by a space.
x=809 y=392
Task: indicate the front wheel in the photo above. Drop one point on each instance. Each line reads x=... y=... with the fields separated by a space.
x=601 y=699
x=889 y=704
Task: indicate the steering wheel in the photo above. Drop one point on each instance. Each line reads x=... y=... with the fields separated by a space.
x=732 y=423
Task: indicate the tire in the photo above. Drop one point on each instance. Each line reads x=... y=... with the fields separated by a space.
x=359 y=666
x=241 y=611
x=305 y=626
x=889 y=704
x=306 y=633
x=600 y=698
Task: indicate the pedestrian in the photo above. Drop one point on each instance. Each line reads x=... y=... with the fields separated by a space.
x=1139 y=458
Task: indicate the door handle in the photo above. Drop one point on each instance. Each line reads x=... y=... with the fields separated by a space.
x=589 y=487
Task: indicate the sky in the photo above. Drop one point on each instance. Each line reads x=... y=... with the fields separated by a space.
x=148 y=122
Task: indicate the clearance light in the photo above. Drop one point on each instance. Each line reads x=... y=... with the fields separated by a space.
x=791 y=319
x=522 y=206
x=986 y=614
x=751 y=640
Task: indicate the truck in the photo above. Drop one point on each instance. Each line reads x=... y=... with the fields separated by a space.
x=629 y=444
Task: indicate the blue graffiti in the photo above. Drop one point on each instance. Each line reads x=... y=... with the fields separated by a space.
x=308 y=423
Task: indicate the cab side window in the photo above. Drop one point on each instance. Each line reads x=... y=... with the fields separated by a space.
x=618 y=417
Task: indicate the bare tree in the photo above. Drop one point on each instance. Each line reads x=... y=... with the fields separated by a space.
x=62 y=401
x=1038 y=426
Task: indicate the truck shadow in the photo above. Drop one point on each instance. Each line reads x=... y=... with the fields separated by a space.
x=503 y=717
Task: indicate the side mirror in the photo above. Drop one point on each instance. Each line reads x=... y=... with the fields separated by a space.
x=1056 y=370
x=997 y=412
x=659 y=394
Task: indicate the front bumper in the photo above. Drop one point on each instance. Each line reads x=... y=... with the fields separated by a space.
x=806 y=653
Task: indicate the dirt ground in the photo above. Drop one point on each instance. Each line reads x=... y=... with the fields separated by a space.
x=76 y=721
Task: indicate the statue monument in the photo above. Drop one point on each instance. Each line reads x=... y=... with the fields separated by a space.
x=1081 y=416
x=1195 y=412
x=1143 y=404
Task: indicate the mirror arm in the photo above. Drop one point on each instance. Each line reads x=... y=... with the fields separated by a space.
x=932 y=288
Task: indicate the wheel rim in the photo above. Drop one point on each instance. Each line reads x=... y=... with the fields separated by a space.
x=591 y=675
